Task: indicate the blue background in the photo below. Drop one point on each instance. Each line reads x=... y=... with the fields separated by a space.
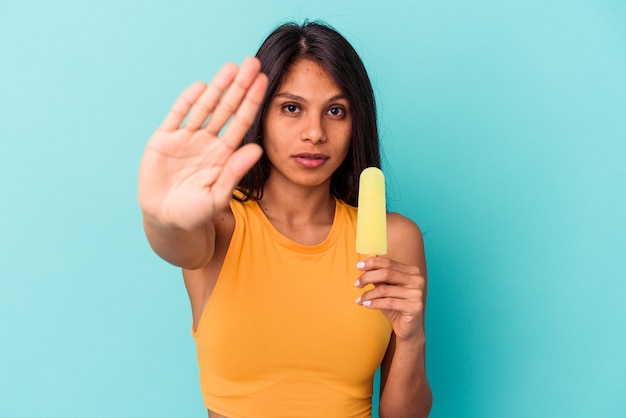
x=505 y=137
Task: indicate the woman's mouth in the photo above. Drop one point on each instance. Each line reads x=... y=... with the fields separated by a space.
x=310 y=160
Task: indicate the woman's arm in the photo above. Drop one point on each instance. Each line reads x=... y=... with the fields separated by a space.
x=400 y=293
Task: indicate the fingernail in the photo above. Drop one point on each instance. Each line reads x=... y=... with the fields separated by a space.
x=357 y=283
x=360 y=265
x=367 y=303
x=358 y=300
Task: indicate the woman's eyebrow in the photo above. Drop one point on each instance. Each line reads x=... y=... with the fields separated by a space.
x=290 y=97
x=295 y=97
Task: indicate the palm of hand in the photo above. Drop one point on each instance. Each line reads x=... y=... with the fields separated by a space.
x=183 y=189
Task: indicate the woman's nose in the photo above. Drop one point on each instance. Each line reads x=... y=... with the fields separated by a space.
x=314 y=130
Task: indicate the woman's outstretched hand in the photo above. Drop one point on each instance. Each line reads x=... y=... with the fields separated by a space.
x=188 y=171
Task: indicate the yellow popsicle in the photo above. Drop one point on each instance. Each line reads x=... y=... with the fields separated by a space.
x=371 y=225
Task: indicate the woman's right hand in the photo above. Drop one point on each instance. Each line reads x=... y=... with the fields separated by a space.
x=188 y=172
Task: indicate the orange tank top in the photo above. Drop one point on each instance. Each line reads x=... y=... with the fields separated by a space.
x=281 y=335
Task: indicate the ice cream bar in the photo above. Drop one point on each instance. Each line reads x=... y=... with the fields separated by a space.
x=371 y=224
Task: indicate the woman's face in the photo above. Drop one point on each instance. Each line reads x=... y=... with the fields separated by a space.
x=307 y=126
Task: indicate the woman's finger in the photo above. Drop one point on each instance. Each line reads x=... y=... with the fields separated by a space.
x=392 y=297
x=244 y=117
x=231 y=100
x=391 y=291
x=404 y=306
x=205 y=104
x=393 y=277
x=238 y=164
x=376 y=263
x=181 y=106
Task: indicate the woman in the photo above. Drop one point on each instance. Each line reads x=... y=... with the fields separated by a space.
x=271 y=269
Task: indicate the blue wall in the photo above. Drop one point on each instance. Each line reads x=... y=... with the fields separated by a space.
x=504 y=129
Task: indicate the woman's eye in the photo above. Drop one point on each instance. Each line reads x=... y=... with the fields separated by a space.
x=290 y=108
x=336 y=111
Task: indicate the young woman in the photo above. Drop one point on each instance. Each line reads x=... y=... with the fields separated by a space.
x=288 y=319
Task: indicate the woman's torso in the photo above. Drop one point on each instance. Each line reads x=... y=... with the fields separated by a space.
x=274 y=326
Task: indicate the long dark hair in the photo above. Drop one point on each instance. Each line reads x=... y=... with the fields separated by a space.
x=324 y=45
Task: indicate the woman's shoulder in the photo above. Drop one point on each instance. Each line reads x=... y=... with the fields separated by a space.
x=402 y=225
x=404 y=238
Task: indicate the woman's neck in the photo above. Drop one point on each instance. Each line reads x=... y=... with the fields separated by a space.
x=304 y=215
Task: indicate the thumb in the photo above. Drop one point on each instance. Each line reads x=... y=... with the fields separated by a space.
x=241 y=161
x=237 y=165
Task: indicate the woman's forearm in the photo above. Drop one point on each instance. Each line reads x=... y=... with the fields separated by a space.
x=186 y=249
x=405 y=391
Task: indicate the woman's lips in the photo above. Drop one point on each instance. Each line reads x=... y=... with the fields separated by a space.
x=310 y=160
